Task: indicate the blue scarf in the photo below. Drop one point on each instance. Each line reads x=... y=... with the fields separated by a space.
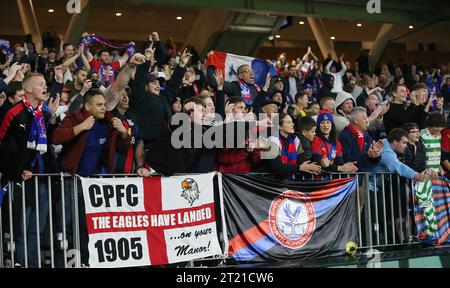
x=246 y=92
x=37 y=139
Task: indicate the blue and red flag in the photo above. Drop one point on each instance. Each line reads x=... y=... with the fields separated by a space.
x=269 y=220
x=229 y=63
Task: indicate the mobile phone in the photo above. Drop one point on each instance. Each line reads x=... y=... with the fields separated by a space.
x=161 y=75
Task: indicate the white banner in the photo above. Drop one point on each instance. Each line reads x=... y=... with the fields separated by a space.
x=150 y=221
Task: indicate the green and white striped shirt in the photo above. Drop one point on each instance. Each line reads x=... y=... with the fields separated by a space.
x=432 y=149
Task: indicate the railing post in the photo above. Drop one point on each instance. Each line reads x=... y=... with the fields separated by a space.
x=383 y=191
x=64 y=236
x=399 y=200
x=11 y=244
x=377 y=224
x=38 y=232
x=368 y=215
x=24 y=225
x=50 y=221
x=358 y=207
x=76 y=227
x=412 y=201
x=392 y=210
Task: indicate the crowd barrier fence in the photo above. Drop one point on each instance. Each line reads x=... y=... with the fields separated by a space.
x=383 y=202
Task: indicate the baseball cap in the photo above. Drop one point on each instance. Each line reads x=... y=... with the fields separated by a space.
x=270 y=101
x=176 y=99
x=277 y=79
x=154 y=76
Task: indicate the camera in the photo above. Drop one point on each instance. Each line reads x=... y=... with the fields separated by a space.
x=95 y=84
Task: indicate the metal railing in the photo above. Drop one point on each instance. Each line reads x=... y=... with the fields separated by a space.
x=40 y=220
x=384 y=207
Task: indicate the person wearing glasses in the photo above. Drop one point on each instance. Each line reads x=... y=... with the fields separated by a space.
x=414 y=155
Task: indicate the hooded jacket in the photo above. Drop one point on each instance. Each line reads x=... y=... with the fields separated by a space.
x=340 y=120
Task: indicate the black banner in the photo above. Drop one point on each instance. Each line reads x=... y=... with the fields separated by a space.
x=268 y=220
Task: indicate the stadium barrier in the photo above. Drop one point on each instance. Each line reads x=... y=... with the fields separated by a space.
x=383 y=203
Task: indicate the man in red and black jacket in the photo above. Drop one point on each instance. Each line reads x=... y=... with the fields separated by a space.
x=16 y=155
x=124 y=161
x=90 y=138
x=24 y=151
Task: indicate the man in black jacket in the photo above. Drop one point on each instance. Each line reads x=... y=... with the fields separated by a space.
x=398 y=114
x=325 y=91
x=181 y=158
x=292 y=84
x=150 y=106
x=245 y=87
x=161 y=52
x=23 y=149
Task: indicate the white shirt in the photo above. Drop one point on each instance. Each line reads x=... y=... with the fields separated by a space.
x=292 y=87
x=337 y=87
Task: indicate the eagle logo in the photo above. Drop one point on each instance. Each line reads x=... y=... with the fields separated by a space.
x=190 y=190
x=292 y=219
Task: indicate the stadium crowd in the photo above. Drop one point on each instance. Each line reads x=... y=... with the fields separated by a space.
x=75 y=110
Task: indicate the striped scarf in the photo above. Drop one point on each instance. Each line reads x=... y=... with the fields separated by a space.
x=288 y=151
x=37 y=138
x=106 y=74
x=424 y=193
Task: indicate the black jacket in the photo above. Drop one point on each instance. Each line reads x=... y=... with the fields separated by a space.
x=181 y=159
x=325 y=91
x=234 y=88
x=190 y=159
x=351 y=151
x=445 y=90
x=14 y=154
x=152 y=112
x=4 y=109
x=418 y=160
x=305 y=151
x=287 y=86
x=398 y=115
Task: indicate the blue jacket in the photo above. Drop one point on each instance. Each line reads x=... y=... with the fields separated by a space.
x=390 y=163
x=351 y=151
